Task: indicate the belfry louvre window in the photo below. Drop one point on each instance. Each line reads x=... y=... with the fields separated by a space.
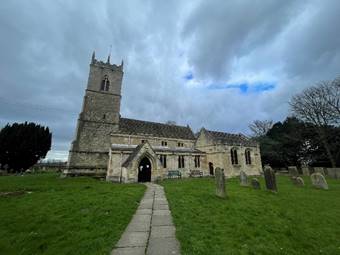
x=233 y=154
x=247 y=156
x=164 y=143
x=163 y=160
x=180 y=161
x=105 y=85
x=197 y=162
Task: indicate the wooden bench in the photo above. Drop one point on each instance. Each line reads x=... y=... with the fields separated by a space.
x=196 y=173
x=174 y=174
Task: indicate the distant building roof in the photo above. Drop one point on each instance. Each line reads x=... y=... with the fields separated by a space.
x=140 y=127
x=232 y=139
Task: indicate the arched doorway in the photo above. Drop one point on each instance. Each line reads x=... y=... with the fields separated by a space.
x=144 y=170
x=211 y=168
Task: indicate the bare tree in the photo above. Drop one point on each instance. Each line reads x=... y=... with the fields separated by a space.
x=319 y=105
x=260 y=127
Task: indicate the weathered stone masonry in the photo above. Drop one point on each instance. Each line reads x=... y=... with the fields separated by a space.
x=127 y=150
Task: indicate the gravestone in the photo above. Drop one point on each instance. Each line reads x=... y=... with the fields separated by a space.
x=270 y=178
x=298 y=181
x=243 y=179
x=293 y=171
x=220 y=182
x=319 y=170
x=319 y=181
x=305 y=170
x=255 y=183
x=333 y=172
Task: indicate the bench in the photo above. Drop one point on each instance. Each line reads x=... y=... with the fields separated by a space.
x=174 y=174
x=196 y=173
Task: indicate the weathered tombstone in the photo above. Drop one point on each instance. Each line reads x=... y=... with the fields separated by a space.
x=319 y=181
x=220 y=182
x=298 y=181
x=243 y=179
x=270 y=178
x=305 y=170
x=255 y=183
x=319 y=170
x=293 y=171
x=333 y=172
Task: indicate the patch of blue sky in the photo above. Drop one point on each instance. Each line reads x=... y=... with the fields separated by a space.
x=246 y=88
x=189 y=76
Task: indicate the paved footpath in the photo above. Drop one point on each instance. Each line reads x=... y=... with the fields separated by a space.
x=151 y=230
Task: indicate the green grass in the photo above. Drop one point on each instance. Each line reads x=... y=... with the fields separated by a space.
x=293 y=221
x=64 y=216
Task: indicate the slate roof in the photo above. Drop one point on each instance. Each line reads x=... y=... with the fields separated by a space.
x=140 y=127
x=232 y=139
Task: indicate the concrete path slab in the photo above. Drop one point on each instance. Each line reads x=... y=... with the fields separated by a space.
x=163 y=246
x=129 y=251
x=151 y=230
x=161 y=220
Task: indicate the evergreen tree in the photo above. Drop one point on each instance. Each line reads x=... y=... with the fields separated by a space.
x=22 y=145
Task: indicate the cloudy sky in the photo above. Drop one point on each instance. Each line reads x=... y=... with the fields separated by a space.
x=217 y=64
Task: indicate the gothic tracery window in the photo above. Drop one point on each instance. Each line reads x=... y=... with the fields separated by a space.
x=247 y=156
x=105 y=85
x=233 y=154
x=180 y=161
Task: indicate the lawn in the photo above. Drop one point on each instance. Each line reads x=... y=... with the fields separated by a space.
x=64 y=216
x=294 y=221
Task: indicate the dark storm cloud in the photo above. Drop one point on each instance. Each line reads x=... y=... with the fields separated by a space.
x=46 y=47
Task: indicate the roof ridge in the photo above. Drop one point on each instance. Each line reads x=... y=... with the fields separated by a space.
x=153 y=122
x=234 y=134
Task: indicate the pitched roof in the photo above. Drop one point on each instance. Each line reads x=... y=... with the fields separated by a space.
x=132 y=155
x=232 y=139
x=140 y=127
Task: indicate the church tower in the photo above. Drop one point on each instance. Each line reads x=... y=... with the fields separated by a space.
x=99 y=117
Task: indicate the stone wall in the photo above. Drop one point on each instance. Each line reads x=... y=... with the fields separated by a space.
x=99 y=117
x=220 y=156
x=154 y=141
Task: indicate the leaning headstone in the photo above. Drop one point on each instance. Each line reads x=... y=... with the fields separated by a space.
x=333 y=172
x=293 y=171
x=270 y=178
x=305 y=170
x=319 y=170
x=255 y=183
x=243 y=179
x=220 y=182
x=319 y=181
x=298 y=181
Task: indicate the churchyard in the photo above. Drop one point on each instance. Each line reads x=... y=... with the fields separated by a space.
x=44 y=214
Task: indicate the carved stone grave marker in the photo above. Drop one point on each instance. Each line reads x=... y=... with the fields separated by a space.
x=270 y=178
x=243 y=179
x=319 y=181
x=255 y=183
x=220 y=182
x=293 y=171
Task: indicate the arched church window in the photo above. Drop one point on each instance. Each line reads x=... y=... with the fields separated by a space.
x=233 y=154
x=247 y=156
x=105 y=85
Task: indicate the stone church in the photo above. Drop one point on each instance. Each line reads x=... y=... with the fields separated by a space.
x=128 y=150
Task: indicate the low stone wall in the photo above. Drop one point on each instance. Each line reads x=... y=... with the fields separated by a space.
x=333 y=173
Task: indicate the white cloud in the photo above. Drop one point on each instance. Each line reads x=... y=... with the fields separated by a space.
x=45 y=57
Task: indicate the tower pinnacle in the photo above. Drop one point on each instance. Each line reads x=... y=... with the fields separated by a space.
x=93 y=57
